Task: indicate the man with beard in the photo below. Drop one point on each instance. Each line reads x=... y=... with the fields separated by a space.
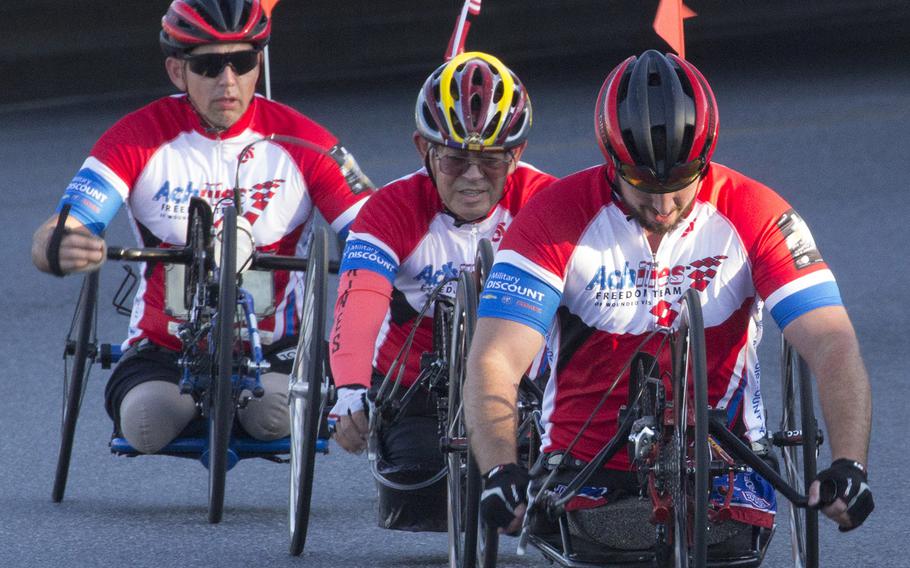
x=602 y=258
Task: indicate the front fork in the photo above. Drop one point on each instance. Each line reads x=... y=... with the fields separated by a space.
x=248 y=377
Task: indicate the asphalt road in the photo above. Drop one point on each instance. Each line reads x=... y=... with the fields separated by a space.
x=828 y=131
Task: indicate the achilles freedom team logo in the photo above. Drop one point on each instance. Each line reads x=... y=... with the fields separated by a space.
x=259 y=197
x=430 y=277
x=799 y=240
x=651 y=284
x=174 y=199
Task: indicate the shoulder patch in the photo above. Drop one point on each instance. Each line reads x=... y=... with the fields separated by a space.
x=799 y=240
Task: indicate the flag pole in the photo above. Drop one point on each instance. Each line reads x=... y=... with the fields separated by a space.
x=682 y=29
x=268 y=79
x=462 y=25
x=267 y=7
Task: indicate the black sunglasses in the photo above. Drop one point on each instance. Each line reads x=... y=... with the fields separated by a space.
x=212 y=64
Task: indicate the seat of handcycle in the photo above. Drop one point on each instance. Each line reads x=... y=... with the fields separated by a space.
x=240 y=447
x=619 y=532
x=572 y=540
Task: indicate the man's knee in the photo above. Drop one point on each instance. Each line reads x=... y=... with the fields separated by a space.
x=153 y=413
x=266 y=418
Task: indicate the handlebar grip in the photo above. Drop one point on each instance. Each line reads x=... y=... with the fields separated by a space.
x=827 y=492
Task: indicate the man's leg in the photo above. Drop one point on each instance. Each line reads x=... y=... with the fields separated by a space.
x=266 y=418
x=153 y=413
x=410 y=455
x=143 y=399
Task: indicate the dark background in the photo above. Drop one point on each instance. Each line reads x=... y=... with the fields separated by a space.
x=64 y=49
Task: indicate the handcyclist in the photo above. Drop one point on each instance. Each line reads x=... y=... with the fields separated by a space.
x=187 y=145
x=473 y=117
x=603 y=257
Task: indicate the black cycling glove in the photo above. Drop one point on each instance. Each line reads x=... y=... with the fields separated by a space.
x=846 y=479
x=504 y=488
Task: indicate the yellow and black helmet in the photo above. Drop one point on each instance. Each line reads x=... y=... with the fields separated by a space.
x=474 y=102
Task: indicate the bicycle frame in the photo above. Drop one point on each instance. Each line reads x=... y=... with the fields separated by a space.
x=733 y=455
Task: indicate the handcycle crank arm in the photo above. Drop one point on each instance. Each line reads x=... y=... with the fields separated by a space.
x=739 y=449
x=607 y=452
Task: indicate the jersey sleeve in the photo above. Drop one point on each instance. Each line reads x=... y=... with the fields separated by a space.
x=528 y=276
x=788 y=270
x=388 y=227
x=117 y=159
x=94 y=195
x=335 y=199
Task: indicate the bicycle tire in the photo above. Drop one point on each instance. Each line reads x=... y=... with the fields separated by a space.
x=483 y=262
x=799 y=462
x=198 y=238
x=470 y=544
x=690 y=361
x=220 y=398
x=83 y=355
x=306 y=398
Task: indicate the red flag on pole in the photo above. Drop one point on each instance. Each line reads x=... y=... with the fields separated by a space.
x=268 y=6
x=462 y=25
x=668 y=23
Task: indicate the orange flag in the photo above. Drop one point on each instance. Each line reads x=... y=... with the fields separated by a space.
x=668 y=23
x=268 y=6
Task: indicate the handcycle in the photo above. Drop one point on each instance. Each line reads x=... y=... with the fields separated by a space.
x=453 y=303
x=471 y=542
x=681 y=450
x=218 y=364
x=222 y=358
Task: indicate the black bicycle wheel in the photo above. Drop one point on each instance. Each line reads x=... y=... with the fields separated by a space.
x=79 y=355
x=799 y=461
x=220 y=411
x=307 y=390
x=483 y=262
x=690 y=445
x=198 y=240
x=470 y=544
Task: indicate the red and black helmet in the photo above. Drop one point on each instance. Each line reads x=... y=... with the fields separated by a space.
x=656 y=120
x=191 y=23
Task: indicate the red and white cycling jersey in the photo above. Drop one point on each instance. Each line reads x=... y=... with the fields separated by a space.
x=575 y=254
x=405 y=235
x=157 y=158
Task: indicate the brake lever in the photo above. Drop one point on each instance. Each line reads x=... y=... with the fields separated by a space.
x=526 y=522
x=373 y=433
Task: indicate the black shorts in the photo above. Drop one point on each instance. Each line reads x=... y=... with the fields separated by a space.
x=410 y=454
x=146 y=361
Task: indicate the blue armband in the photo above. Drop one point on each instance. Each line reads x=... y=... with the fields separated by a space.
x=513 y=294
x=362 y=254
x=93 y=200
x=806 y=300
